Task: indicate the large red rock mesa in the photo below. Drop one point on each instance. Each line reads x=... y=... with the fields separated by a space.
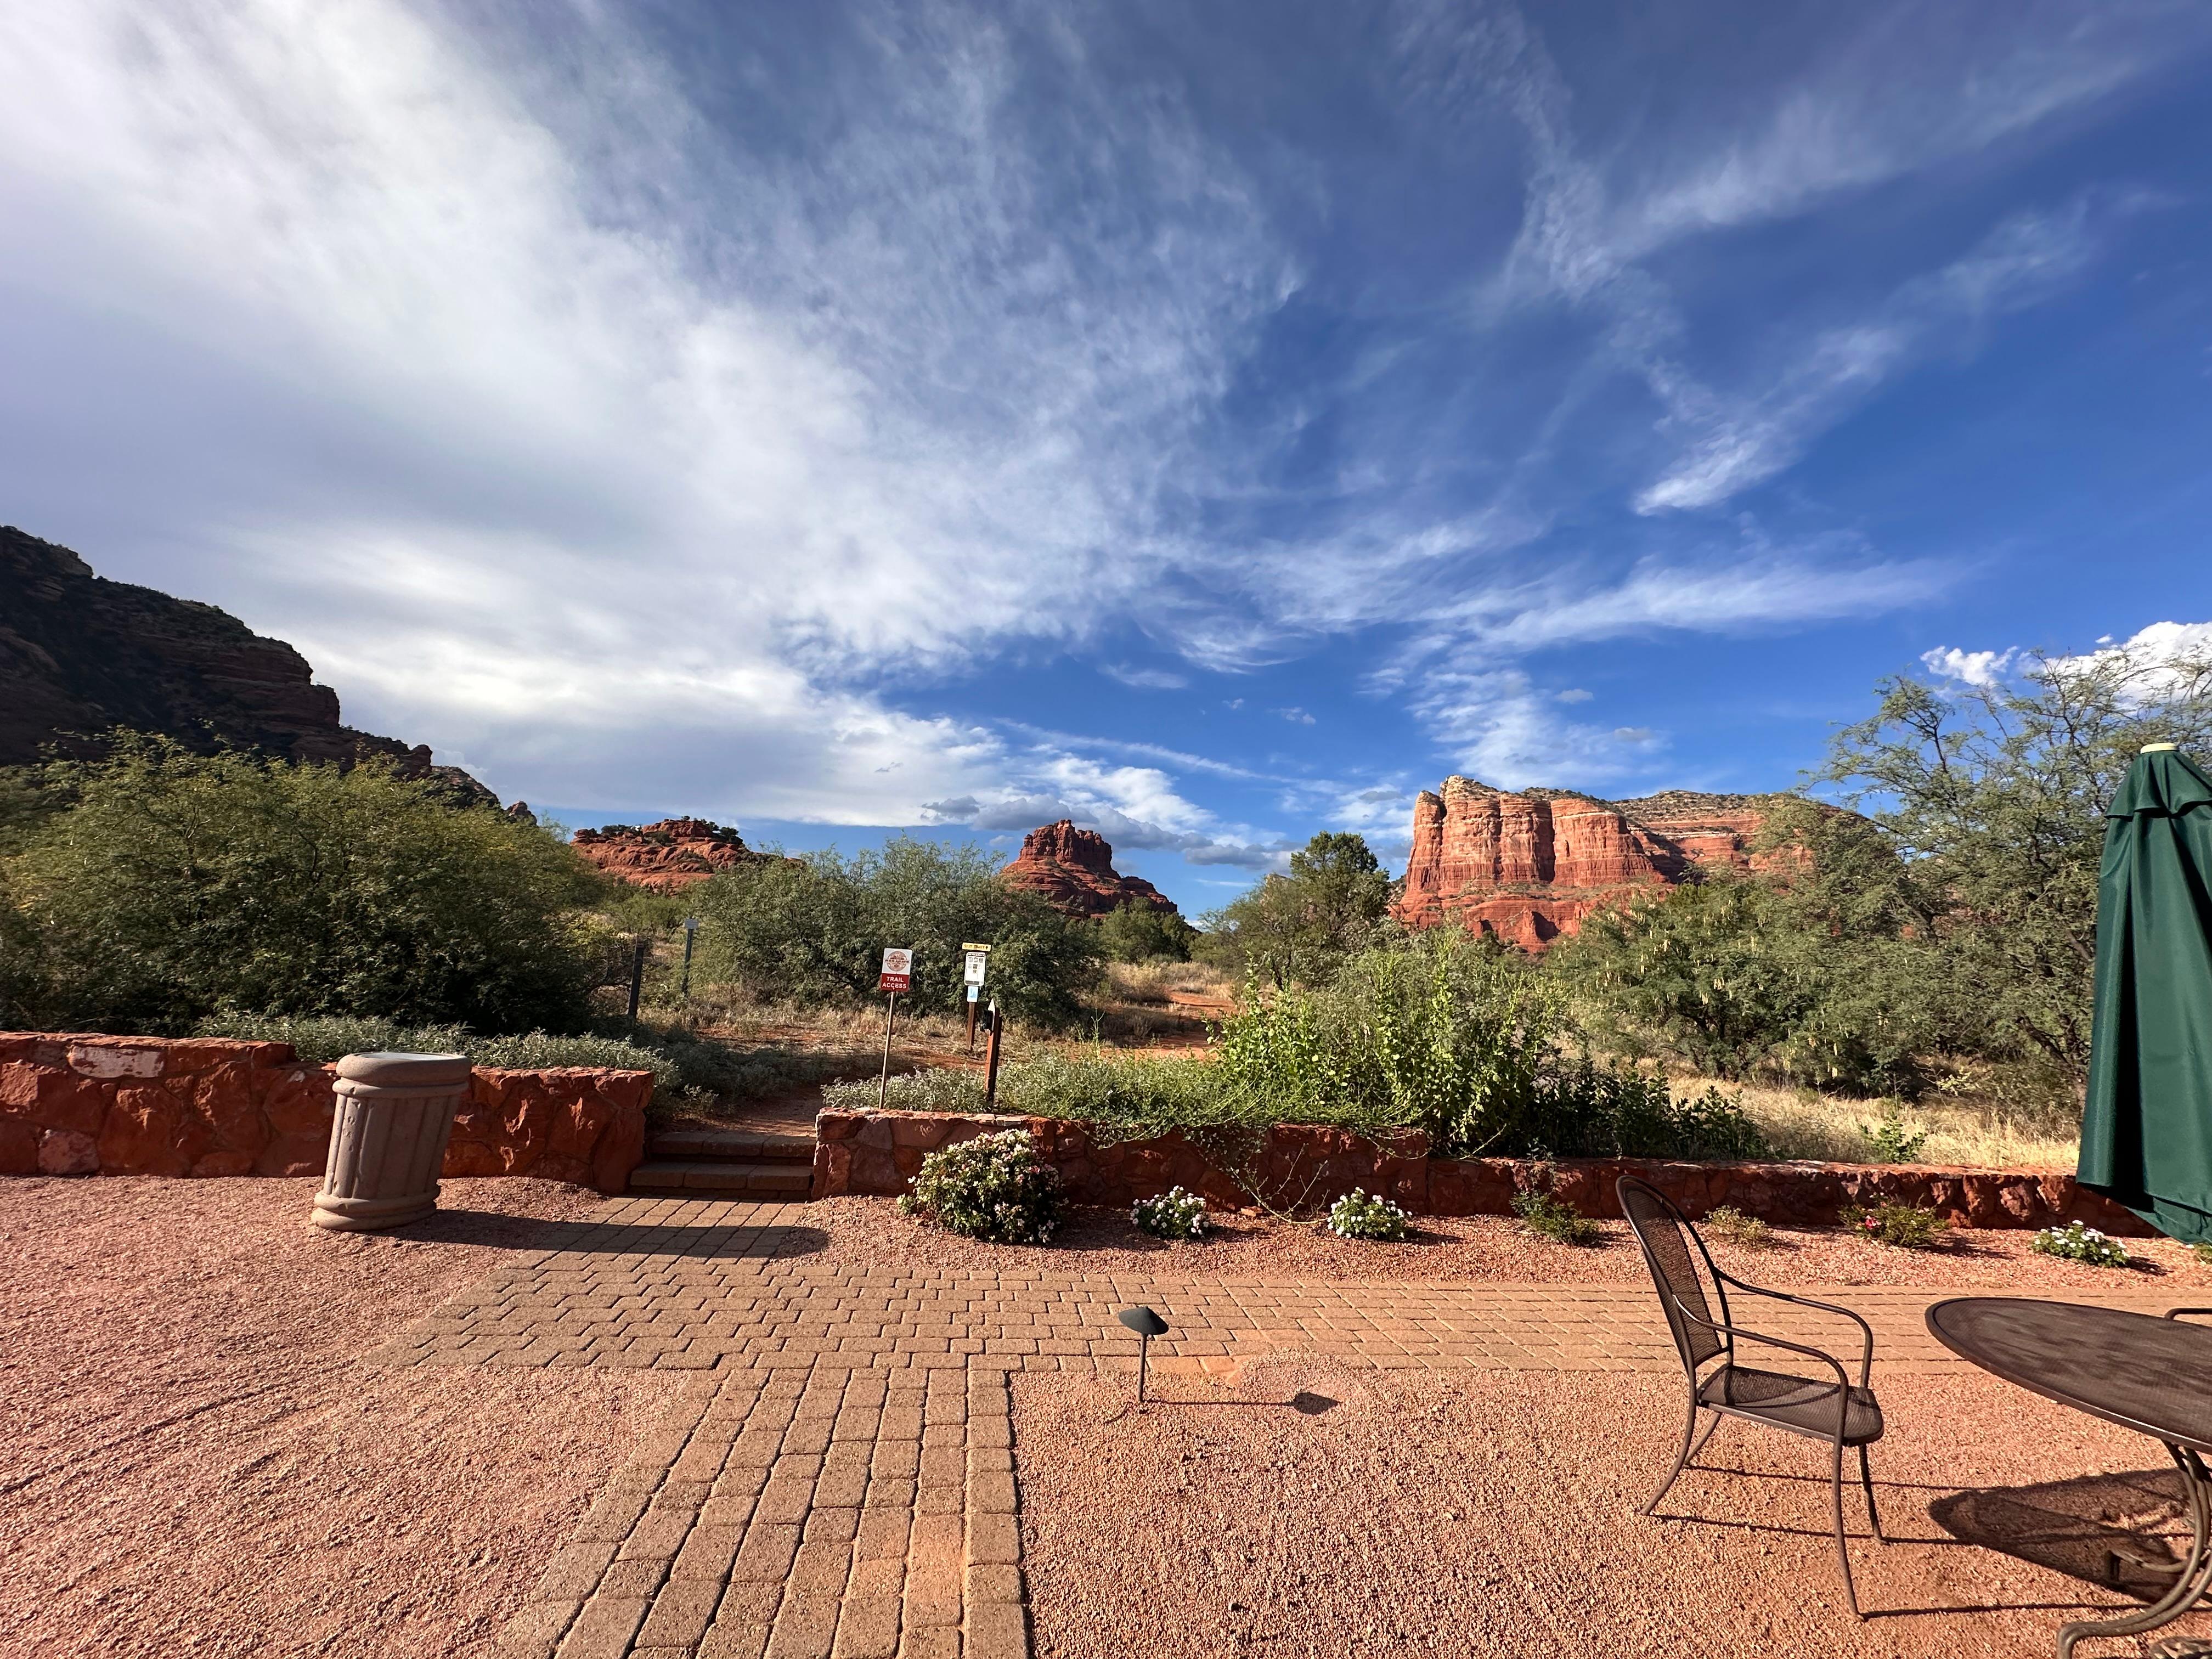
x=1072 y=871
x=1529 y=866
x=668 y=856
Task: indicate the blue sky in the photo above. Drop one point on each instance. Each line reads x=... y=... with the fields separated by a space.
x=1215 y=422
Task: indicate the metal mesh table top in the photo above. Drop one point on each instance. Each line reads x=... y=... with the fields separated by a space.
x=2144 y=1373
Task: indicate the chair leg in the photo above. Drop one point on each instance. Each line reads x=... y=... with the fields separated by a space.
x=1682 y=1458
x=1843 y=1551
x=1865 y=1480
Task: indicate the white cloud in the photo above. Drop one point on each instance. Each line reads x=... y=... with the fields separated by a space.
x=877 y=404
x=1573 y=694
x=1744 y=440
x=1979 y=668
x=2160 y=659
x=1146 y=679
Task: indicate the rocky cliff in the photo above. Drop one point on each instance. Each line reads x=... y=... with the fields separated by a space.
x=1072 y=871
x=80 y=654
x=1529 y=866
x=668 y=856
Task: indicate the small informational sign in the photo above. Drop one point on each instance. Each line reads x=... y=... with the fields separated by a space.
x=975 y=992
x=977 y=960
x=899 y=971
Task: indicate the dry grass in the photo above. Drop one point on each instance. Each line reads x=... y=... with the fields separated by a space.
x=1159 y=983
x=1970 y=1134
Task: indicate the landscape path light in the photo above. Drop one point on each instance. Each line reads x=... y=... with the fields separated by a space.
x=1148 y=1325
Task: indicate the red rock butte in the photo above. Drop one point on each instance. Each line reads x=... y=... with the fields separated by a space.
x=1530 y=866
x=1072 y=871
x=668 y=856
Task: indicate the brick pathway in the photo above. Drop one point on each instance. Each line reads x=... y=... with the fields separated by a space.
x=836 y=1476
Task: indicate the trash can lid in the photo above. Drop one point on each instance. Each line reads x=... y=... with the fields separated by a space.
x=395 y=1070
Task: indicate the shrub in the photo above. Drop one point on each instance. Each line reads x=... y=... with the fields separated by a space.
x=1174 y=1214
x=680 y=1061
x=815 y=928
x=1732 y=1226
x=1548 y=1217
x=1907 y=1226
x=995 y=1188
x=167 y=886
x=936 y=1090
x=1356 y=1215
x=2202 y=1250
x=1138 y=932
x=1466 y=1043
x=2075 y=1243
x=1896 y=1139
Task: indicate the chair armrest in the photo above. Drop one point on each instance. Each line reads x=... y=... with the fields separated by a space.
x=2176 y=1313
x=1866 y=1358
x=1843 y=1376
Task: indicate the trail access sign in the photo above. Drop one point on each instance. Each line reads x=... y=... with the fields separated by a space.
x=899 y=971
x=977 y=960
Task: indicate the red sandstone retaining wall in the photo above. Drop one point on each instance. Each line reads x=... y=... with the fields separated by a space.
x=878 y=1152
x=206 y=1106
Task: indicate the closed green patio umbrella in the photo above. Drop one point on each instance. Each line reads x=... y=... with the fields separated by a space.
x=2147 y=1129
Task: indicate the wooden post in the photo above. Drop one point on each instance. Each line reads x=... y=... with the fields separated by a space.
x=637 y=975
x=884 y=1083
x=971 y=1028
x=991 y=1061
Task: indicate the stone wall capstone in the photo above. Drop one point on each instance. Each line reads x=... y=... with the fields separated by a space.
x=1300 y=1165
x=81 y=1104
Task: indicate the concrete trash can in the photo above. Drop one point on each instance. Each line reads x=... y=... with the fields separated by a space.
x=395 y=1114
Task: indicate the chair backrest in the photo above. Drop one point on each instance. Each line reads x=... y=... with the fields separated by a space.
x=1673 y=1250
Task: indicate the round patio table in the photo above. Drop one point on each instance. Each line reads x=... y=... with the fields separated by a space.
x=2146 y=1373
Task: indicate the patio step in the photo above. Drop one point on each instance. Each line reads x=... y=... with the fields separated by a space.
x=778 y=1178
x=731 y=1145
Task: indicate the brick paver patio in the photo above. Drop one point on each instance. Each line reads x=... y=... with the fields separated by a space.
x=836 y=1478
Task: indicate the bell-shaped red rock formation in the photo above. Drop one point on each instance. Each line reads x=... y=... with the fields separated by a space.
x=1072 y=871
x=1529 y=866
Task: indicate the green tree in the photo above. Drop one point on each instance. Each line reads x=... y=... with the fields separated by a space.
x=1988 y=800
x=167 y=886
x=1138 y=932
x=1300 y=926
x=815 y=930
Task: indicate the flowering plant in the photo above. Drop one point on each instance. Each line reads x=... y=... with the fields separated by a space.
x=2075 y=1243
x=1174 y=1214
x=1356 y=1215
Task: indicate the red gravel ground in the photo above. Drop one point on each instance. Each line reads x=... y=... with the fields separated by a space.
x=1407 y=1513
x=191 y=1461
x=1479 y=1249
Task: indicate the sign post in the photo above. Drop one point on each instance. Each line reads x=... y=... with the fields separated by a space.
x=691 y=933
x=991 y=1058
x=898 y=975
x=976 y=960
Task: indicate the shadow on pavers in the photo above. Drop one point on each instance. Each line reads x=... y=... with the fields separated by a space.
x=493 y=1230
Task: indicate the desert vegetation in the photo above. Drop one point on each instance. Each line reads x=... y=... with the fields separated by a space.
x=1906 y=981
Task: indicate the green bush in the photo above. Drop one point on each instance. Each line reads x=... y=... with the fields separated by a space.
x=678 y=1061
x=815 y=930
x=1358 y=1215
x=1548 y=1217
x=1138 y=932
x=2202 y=1250
x=162 y=887
x=995 y=1188
x=2076 y=1243
x=1907 y=1226
x=942 y=1090
x=1732 y=1226
x=1174 y=1214
x=1467 y=1044
x=1896 y=1139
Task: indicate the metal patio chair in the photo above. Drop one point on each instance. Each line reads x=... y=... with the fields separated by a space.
x=1839 y=1412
